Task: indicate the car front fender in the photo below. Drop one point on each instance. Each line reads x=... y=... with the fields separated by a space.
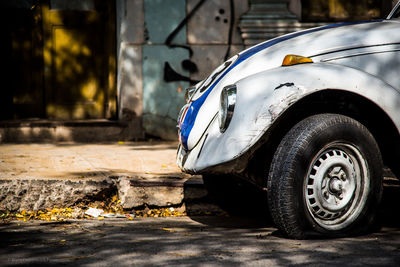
x=263 y=97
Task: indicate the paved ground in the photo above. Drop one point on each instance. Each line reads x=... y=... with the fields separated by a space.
x=80 y=161
x=40 y=176
x=185 y=241
x=165 y=241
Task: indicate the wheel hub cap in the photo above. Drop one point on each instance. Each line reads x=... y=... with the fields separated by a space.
x=332 y=185
x=335 y=186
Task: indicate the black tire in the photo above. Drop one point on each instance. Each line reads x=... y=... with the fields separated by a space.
x=325 y=176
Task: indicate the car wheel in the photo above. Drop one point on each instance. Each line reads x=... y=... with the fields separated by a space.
x=325 y=176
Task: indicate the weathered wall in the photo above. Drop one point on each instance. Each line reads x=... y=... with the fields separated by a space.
x=130 y=37
x=165 y=45
x=162 y=47
x=162 y=99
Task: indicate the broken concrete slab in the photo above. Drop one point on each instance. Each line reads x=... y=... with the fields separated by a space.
x=39 y=176
x=165 y=191
x=136 y=194
x=39 y=194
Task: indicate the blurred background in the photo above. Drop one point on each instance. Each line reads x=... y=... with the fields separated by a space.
x=98 y=65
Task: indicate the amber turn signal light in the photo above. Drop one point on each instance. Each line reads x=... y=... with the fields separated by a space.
x=290 y=60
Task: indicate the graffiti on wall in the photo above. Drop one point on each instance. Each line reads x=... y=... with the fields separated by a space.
x=171 y=75
x=182 y=41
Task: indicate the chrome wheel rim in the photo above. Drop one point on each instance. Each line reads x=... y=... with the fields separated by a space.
x=336 y=186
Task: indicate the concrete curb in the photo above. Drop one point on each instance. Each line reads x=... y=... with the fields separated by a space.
x=134 y=192
x=38 y=194
x=40 y=176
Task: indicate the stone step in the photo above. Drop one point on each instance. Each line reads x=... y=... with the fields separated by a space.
x=50 y=131
x=135 y=193
x=160 y=192
x=19 y=194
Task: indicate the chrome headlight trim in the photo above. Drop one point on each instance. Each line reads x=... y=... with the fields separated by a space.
x=227 y=106
x=190 y=91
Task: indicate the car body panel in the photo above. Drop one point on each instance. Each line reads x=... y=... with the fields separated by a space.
x=358 y=58
x=263 y=97
x=376 y=60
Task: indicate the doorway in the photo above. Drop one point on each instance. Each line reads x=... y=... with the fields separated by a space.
x=59 y=59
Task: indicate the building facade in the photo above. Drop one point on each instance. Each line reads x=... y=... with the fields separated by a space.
x=129 y=61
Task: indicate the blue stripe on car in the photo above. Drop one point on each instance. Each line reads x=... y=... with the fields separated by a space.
x=188 y=122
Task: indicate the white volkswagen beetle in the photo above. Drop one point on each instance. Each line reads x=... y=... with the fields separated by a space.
x=311 y=117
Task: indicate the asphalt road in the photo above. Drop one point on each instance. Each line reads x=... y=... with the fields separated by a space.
x=194 y=241
x=185 y=241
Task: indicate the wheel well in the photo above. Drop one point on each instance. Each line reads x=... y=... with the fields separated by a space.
x=328 y=101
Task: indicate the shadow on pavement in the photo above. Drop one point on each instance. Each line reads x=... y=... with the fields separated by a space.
x=389 y=212
x=184 y=241
x=245 y=203
x=243 y=239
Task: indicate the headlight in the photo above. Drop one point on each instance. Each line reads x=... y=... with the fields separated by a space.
x=227 y=106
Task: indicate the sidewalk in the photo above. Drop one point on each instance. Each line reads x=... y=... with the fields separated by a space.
x=37 y=176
